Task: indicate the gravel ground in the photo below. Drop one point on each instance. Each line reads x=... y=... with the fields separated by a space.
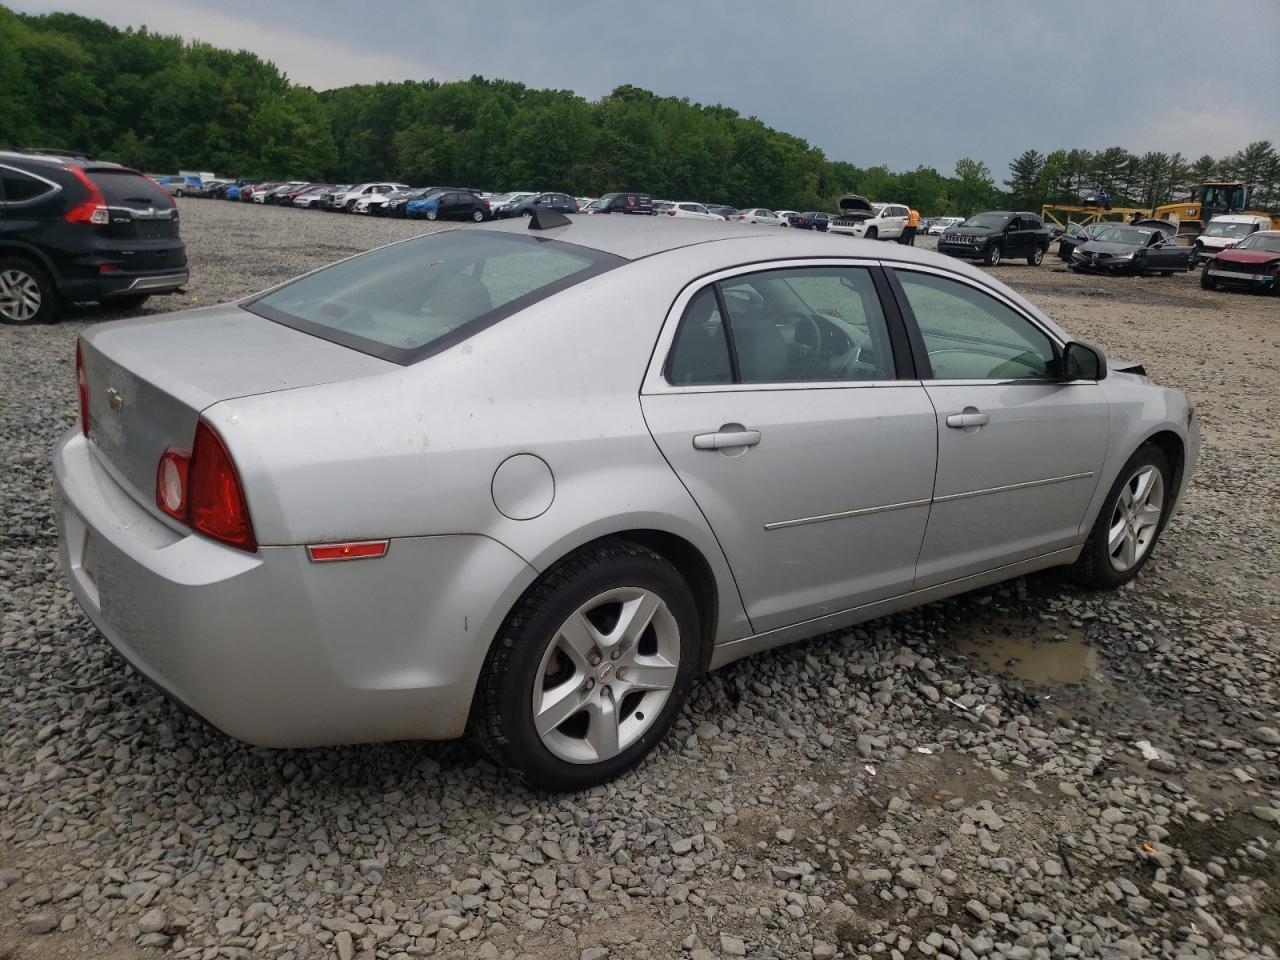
x=958 y=781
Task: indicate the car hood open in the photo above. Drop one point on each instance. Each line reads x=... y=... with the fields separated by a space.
x=856 y=207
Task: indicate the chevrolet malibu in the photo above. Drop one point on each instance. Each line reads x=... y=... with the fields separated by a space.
x=532 y=480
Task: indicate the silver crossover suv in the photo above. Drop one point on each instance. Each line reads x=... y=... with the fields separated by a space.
x=531 y=480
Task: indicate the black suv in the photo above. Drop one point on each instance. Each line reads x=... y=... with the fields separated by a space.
x=626 y=203
x=997 y=235
x=72 y=228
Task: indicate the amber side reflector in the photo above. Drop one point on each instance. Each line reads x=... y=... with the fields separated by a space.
x=365 y=550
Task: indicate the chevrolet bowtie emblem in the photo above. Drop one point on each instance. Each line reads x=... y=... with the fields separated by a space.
x=114 y=399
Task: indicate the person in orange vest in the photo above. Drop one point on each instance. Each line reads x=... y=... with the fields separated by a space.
x=909 y=231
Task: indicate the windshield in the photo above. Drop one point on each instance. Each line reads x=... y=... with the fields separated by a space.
x=987 y=221
x=1217 y=229
x=1269 y=242
x=1129 y=235
x=1228 y=197
x=415 y=298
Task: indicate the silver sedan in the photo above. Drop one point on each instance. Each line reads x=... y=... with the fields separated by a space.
x=531 y=480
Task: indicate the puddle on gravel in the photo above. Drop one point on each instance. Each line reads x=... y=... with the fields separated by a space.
x=1046 y=653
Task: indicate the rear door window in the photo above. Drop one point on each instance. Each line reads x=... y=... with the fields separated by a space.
x=806 y=324
x=412 y=299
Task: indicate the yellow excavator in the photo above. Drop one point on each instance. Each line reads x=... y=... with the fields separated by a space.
x=1213 y=199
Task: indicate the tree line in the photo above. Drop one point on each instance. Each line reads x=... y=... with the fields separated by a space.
x=159 y=103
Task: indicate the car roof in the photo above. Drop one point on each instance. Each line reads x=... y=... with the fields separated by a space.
x=636 y=237
x=1239 y=218
x=55 y=159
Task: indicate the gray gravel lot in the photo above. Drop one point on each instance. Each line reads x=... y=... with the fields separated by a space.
x=928 y=785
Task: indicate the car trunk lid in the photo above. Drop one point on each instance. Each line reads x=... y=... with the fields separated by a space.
x=148 y=380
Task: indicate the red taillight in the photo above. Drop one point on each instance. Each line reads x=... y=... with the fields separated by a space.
x=201 y=487
x=91 y=210
x=82 y=384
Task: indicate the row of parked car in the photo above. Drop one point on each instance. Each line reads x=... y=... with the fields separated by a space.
x=438 y=202
x=992 y=237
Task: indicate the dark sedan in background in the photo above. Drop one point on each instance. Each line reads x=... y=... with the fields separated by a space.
x=1075 y=235
x=559 y=202
x=1119 y=248
x=812 y=220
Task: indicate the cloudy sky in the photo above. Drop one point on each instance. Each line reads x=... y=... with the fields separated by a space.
x=900 y=82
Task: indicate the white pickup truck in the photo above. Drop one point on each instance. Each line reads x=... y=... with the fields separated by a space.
x=859 y=217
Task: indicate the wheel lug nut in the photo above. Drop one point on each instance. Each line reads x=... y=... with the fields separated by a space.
x=591 y=682
x=593 y=658
x=615 y=655
x=622 y=673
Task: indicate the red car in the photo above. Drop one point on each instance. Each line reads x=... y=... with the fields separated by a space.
x=1251 y=264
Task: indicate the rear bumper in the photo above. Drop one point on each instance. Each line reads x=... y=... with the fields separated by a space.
x=273 y=649
x=106 y=286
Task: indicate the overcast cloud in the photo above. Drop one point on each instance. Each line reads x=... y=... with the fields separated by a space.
x=899 y=82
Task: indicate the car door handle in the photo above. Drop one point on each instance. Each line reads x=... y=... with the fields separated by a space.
x=726 y=439
x=970 y=418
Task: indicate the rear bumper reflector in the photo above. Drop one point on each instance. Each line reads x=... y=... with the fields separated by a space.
x=362 y=550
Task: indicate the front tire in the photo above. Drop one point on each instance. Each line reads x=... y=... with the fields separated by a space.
x=1037 y=257
x=1206 y=283
x=1130 y=521
x=872 y=233
x=27 y=294
x=590 y=668
x=991 y=256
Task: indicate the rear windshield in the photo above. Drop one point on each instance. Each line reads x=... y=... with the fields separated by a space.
x=128 y=188
x=412 y=299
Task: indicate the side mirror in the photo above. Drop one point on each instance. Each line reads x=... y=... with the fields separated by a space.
x=1080 y=361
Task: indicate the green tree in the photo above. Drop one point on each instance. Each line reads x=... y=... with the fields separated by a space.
x=1024 y=177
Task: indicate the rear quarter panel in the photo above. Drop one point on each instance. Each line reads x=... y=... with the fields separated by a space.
x=413 y=452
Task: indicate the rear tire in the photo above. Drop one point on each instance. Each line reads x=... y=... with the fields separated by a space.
x=27 y=294
x=1037 y=257
x=548 y=644
x=433 y=214
x=1127 y=522
x=991 y=256
x=477 y=216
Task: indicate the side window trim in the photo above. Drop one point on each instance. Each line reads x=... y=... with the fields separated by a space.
x=734 y=373
x=921 y=354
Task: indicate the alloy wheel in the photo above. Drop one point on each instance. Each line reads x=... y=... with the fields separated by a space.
x=1136 y=518
x=19 y=296
x=606 y=675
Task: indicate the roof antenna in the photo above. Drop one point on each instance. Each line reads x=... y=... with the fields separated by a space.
x=544 y=218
